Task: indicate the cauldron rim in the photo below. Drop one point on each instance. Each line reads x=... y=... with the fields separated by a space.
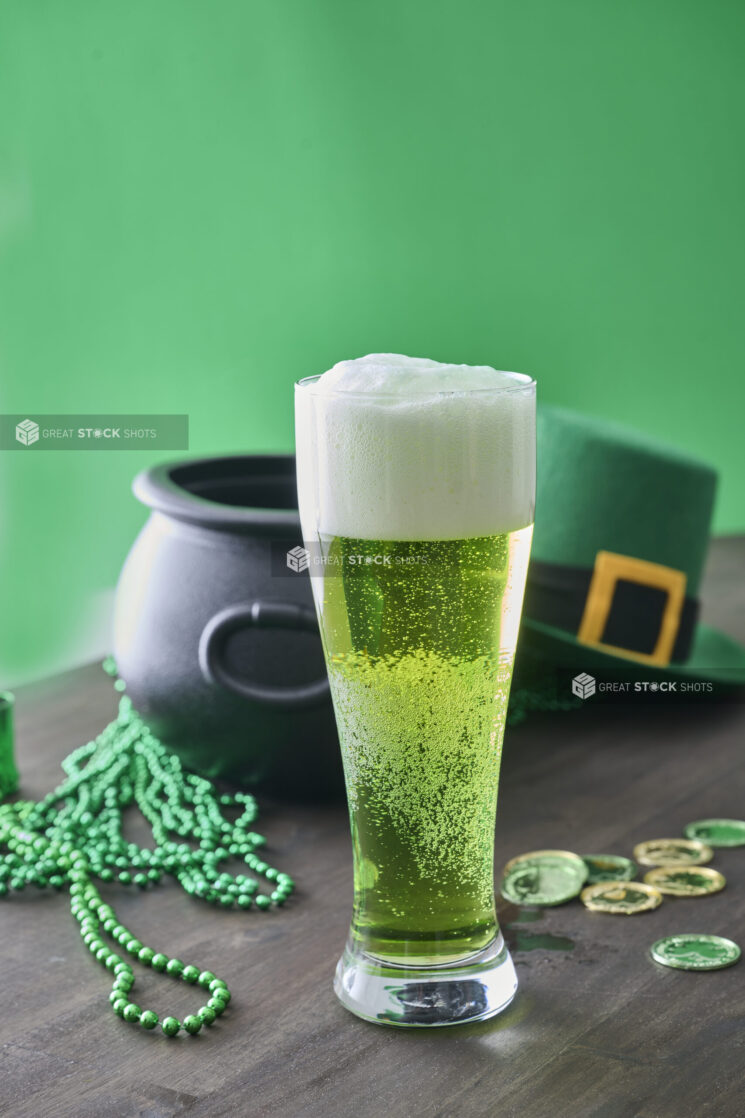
x=161 y=489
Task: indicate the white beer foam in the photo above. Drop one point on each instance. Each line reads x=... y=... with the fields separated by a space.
x=403 y=448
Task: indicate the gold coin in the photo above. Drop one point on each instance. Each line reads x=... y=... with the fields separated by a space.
x=685 y=881
x=673 y=852
x=623 y=897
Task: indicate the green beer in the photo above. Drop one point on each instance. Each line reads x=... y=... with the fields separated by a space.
x=420 y=638
x=416 y=486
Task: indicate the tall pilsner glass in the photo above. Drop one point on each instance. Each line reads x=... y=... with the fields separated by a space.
x=416 y=502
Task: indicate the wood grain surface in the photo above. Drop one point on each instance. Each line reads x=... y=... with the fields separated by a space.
x=597 y=1028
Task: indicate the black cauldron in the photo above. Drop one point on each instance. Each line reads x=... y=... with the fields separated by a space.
x=216 y=635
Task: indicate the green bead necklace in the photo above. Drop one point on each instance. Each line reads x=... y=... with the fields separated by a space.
x=75 y=834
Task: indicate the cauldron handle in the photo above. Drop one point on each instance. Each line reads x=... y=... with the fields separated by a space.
x=262 y=615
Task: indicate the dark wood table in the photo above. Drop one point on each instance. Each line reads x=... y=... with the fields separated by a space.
x=597 y=1028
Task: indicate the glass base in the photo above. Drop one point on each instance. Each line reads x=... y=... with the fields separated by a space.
x=456 y=994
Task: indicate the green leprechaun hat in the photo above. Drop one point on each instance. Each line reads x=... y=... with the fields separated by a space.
x=621 y=533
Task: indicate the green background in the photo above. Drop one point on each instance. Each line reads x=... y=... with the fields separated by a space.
x=202 y=201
